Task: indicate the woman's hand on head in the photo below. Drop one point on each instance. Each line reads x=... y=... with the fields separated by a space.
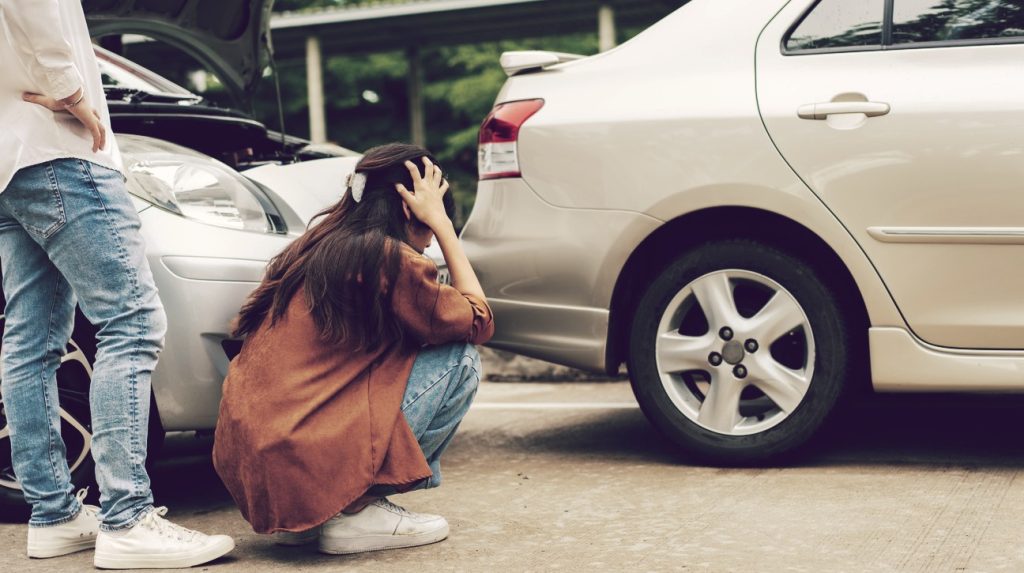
x=426 y=198
x=426 y=204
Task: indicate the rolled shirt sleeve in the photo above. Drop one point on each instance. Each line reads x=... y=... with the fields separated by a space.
x=434 y=313
x=42 y=47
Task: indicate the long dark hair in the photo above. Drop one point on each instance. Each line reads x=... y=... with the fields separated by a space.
x=345 y=260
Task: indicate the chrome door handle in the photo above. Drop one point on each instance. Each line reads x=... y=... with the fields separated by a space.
x=825 y=109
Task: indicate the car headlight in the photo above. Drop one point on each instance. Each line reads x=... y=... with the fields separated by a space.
x=195 y=186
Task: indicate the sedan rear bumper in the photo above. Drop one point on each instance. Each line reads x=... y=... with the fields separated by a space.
x=549 y=272
x=570 y=335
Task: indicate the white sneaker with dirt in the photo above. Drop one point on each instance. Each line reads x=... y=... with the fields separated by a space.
x=297 y=538
x=381 y=525
x=155 y=543
x=78 y=534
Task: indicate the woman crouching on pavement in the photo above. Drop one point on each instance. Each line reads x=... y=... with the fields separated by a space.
x=357 y=366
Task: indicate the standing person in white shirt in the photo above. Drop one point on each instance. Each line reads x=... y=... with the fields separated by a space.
x=69 y=232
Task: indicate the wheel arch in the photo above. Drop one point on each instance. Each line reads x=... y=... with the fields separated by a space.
x=661 y=247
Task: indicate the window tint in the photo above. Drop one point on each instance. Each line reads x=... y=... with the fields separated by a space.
x=945 y=20
x=839 y=24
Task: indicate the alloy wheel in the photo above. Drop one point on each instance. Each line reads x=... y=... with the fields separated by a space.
x=735 y=352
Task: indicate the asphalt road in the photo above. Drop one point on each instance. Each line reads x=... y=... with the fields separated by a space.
x=571 y=477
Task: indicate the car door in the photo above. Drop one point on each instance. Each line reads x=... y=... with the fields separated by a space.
x=906 y=118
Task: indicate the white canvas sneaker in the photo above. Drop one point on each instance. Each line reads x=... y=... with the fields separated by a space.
x=78 y=534
x=155 y=543
x=297 y=538
x=381 y=525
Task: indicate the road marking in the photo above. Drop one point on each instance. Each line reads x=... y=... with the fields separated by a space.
x=555 y=406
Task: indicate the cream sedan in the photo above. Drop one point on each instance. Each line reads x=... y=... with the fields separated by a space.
x=762 y=207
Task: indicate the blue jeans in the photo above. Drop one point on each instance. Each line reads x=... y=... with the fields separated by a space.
x=440 y=389
x=69 y=231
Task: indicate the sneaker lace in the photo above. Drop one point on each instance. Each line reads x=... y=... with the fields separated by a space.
x=155 y=520
x=90 y=510
x=385 y=503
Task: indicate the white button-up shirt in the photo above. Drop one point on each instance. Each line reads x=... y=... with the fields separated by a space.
x=45 y=48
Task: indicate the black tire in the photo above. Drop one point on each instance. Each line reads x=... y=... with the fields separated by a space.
x=73 y=381
x=833 y=364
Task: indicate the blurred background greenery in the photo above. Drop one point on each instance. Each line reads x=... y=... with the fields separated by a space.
x=367 y=98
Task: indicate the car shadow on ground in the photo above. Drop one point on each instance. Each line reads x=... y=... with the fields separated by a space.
x=922 y=430
x=926 y=430
x=938 y=430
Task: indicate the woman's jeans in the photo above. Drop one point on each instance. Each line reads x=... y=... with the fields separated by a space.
x=69 y=231
x=441 y=387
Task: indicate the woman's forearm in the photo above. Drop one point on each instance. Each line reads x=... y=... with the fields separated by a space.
x=463 y=277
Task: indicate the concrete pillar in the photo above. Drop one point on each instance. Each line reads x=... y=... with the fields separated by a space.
x=417 y=121
x=315 y=91
x=605 y=28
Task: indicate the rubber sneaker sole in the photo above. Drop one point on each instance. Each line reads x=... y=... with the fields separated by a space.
x=40 y=551
x=363 y=544
x=219 y=547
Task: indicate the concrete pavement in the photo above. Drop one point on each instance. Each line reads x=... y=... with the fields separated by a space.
x=571 y=477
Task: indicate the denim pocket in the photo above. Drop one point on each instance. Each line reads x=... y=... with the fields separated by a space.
x=35 y=200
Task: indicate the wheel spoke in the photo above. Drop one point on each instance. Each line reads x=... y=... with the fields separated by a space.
x=714 y=294
x=784 y=386
x=780 y=315
x=679 y=353
x=721 y=408
x=77 y=355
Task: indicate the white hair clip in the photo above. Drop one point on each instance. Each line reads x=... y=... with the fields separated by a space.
x=357 y=183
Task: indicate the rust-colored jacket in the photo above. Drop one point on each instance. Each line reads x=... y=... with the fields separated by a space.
x=305 y=428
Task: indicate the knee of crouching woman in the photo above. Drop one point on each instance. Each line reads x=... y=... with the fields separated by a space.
x=474 y=367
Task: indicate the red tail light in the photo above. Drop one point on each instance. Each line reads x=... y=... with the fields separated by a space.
x=498 y=156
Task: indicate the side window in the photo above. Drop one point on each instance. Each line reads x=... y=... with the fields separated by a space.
x=839 y=24
x=950 y=20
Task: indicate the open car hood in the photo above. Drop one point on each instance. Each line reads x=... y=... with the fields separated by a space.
x=230 y=37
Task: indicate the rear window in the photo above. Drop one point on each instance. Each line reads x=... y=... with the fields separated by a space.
x=918 y=21
x=834 y=24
